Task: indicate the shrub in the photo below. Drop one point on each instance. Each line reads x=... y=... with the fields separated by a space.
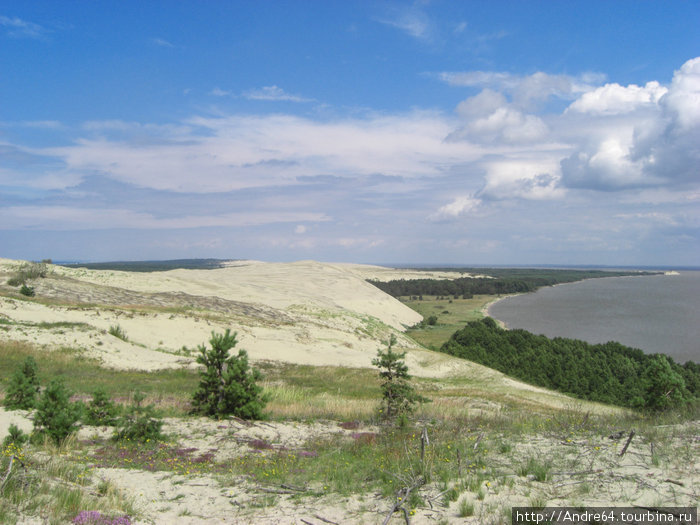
x=139 y=423
x=101 y=410
x=27 y=290
x=15 y=436
x=398 y=395
x=23 y=386
x=56 y=416
x=227 y=386
x=28 y=271
x=117 y=332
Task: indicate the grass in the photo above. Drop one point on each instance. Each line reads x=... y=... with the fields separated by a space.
x=484 y=452
x=452 y=315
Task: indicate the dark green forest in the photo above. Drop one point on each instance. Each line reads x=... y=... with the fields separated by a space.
x=609 y=373
x=153 y=266
x=500 y=281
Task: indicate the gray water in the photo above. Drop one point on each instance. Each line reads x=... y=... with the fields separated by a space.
x=659 y=313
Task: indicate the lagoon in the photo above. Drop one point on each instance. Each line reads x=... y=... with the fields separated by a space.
x=657 y=313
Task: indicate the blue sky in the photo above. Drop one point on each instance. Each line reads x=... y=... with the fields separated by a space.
x=429 y=132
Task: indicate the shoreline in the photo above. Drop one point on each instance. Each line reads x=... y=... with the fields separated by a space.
x=486 y=309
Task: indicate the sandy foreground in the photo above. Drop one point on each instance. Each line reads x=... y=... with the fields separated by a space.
x=307 y=313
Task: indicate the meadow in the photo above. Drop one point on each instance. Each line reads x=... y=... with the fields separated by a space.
x=324 y=453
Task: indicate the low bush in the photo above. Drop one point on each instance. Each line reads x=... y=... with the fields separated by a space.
x=139 y=422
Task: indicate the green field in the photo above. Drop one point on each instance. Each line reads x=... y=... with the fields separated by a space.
x=452 y=314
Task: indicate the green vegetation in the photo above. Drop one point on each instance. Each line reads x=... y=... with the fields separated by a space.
x=398 y=395
x=23 y=386
x=227 y=386
x=56 y=417
x=28 y=272
x=101 y=411
x=472 y=460
x=450 y=315
x=500 y=281
x=609 y=373
x=139 y=423
x=27 y=291
x=118 y=332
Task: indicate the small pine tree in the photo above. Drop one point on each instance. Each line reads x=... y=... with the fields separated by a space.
x=227 y=386
x=139 y=423
x=101 y=410
x=23 y=386
x=398 y=395
x=56 y=416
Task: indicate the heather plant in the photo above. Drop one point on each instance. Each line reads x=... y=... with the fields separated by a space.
x=23 y=386
x=95 y=517
x=228 y=385
x=56 y=417
x=139 y=422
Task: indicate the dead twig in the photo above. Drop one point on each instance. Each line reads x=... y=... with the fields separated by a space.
x=629 y=440
x=679 y=483
x=325 y=520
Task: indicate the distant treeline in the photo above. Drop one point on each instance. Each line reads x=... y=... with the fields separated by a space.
x=501 y=281
x=609 y=373
x=153 y=266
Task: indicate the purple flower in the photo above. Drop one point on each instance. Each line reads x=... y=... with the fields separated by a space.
x=95 y=517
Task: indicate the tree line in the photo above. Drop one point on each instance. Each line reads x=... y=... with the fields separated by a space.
x=500 y=281
x=609 y=373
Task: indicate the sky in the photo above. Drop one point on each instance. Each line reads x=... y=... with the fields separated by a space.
x=429 y=132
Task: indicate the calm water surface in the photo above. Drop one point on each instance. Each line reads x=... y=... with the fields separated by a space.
x=659 y=313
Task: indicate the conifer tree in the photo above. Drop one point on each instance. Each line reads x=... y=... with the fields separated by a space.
x=23 y=386
x=56 y=416
x=398 y=395
x=228 y=385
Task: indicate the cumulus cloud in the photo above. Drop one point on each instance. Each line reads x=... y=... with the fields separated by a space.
x=523 y=179
x=612 y=99
x=645 y=136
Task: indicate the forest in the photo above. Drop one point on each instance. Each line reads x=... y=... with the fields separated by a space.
x=608 y=373
x=499 y=281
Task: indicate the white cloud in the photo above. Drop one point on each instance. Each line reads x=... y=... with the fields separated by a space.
x=463 y=205
x=162 y=42
x=273 y=93
x=16 y=27
x=612 y=99
x=222 y=154
x=646 y=136
x=218 y=92
x=71 y=218
x=524 y=90
x=532 y=179
x=300 y=229
x=411 y=20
